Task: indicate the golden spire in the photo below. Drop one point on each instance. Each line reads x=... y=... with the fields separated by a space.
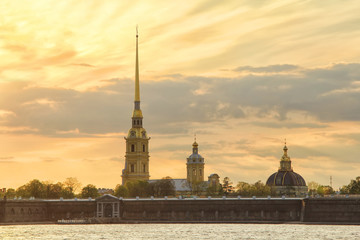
x=137 y=84
x=137 y=111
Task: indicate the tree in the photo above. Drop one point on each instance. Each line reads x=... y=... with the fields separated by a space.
x=352 y=188
x=256 y=189
x=121 y=191
x=34 y=188
x=243 y=189
x=54 y=191
x=214 y=190
x=138 y=188
x=325 y=190
x=313 y=186
x=10 y=193
x=67 y=193
x=163 y=187
x=89 y=191
x=227 y=186
x=72 y=184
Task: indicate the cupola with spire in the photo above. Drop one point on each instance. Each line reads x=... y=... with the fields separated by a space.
x=285 y=180
x=195 y=165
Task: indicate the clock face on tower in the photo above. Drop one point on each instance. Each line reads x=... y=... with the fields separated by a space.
x=132 y=133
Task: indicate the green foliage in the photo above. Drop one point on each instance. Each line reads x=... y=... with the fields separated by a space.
x=67 y=193
x=256 y=189
x=138 y=188
x=54 y=191
x=163 y=187
x=318 y=189
x=121 y=191
x=46 y=190
x=352 y=188
x=214 y=190
x=72 y=184
x=89 y=191
x=10 y=193
x=34 y=188
x=227 y=186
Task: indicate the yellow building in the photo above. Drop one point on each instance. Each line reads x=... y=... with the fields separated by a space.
x=137 y=141
x=195 y=166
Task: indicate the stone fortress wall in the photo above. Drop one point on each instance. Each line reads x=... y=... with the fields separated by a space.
x=329 y=210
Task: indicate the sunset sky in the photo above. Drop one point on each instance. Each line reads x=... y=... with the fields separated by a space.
x=243 y=74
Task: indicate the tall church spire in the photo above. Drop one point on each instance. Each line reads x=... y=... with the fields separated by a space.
x=137 y=84
x=137 y=114
x=137 y=141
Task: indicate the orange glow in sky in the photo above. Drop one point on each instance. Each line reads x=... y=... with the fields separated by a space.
x=243 y=75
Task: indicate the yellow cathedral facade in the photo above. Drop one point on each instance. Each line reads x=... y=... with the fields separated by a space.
x=137 y=150
x=137 y=141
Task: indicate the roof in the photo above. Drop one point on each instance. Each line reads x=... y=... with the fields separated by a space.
x=181 y=185
x=285 y=178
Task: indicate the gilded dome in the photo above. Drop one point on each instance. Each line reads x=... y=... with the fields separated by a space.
x=286 y=178
x=195 y=157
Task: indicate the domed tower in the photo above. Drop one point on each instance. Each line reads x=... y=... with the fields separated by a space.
x=285 y=181
x=137 y=141
x=195 y=166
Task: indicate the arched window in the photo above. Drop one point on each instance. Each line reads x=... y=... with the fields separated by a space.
x=132 y=168
x=132 y=148
x=200 y=172
x=144 y=168
x=143 y=147
x=194 y=171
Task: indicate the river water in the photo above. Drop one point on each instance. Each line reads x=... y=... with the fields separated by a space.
x=181 y=231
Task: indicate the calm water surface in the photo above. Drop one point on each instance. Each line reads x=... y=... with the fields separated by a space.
x=180 y=231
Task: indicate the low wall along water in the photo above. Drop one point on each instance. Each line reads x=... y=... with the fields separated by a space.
x=328 y=210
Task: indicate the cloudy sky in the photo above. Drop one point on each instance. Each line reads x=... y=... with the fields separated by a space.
x=244 y=75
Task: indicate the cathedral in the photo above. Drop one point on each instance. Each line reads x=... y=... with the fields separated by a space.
x=137 y=141
x=284 y=181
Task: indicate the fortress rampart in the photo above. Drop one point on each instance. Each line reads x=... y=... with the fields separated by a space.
x=328 y=210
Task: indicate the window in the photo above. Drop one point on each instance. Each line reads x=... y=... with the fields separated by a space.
x=200 y=172
x=194 y=171
x=144 y=168
x=132 y=148
x=132 y=168
x=143 y=147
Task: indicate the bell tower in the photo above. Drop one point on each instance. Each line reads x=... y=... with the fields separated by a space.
x=195 y=166
x=137 y=141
